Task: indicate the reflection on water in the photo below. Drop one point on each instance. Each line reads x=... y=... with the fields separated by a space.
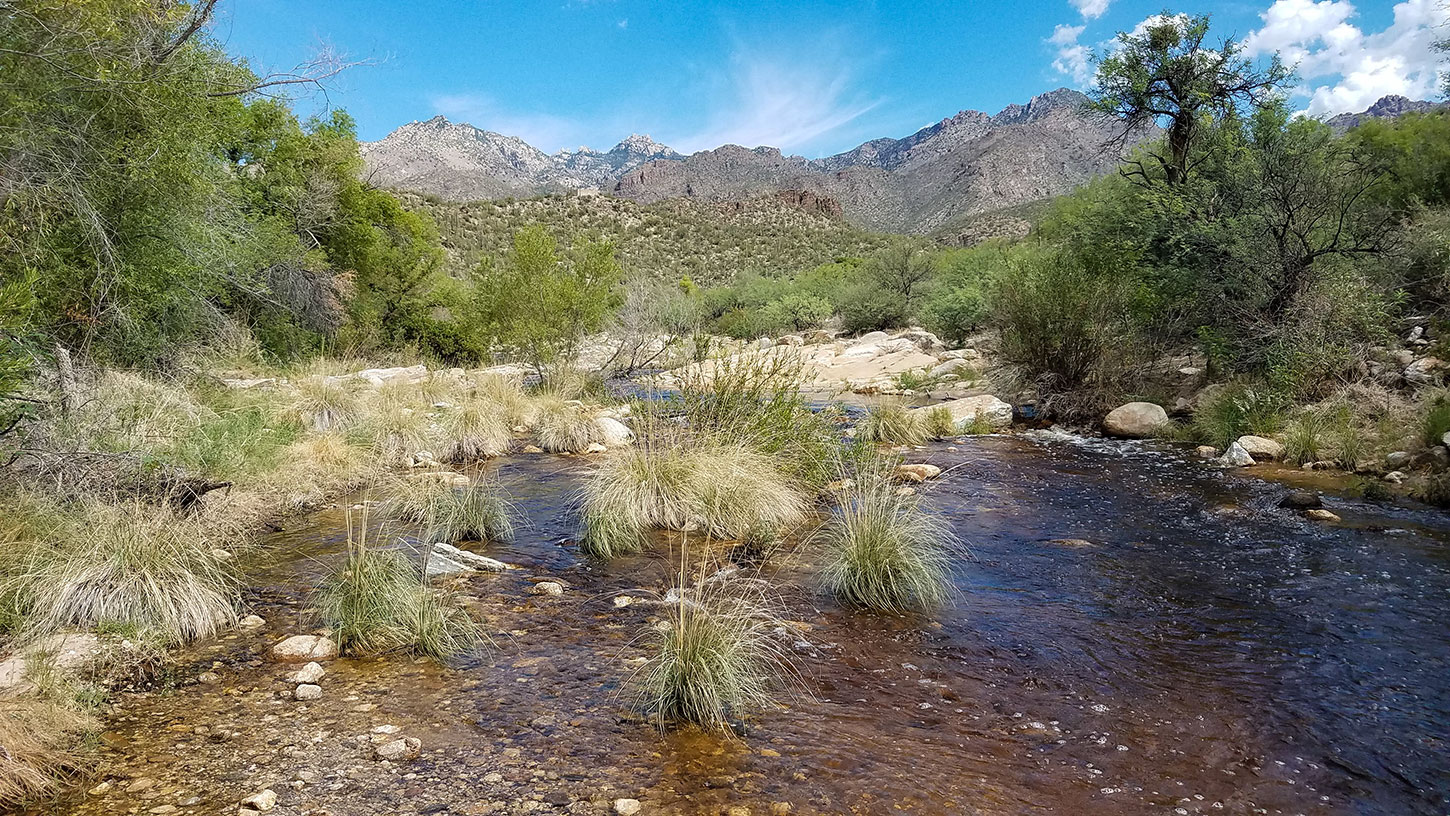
x=1196 y=651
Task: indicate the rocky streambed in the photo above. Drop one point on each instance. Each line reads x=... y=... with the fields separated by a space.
x=1135 y=633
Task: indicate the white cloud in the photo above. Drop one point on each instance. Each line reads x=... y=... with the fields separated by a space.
x=1091 y=9
x=1072 y=58
x=1343 y=67
x=784 y=103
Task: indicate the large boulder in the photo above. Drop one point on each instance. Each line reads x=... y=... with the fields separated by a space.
x=1262 y=447
x=305 y=648
x=1236 y=456
x=994 y=412
x=614 y=433
x=1136 y=420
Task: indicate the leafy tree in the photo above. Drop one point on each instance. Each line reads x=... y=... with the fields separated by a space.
x=542 y=302
x=797 y=312
x=1166 y=76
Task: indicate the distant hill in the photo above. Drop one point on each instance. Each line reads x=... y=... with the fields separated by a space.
x=969 y=163
x=712 y=242
x=1387 y=107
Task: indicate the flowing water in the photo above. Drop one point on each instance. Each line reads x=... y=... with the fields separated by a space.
x=1135 y=633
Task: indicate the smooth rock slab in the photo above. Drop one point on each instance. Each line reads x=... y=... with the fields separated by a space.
x=305 y=647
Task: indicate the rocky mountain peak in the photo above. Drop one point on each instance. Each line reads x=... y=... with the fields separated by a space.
x=1386 y=107
x=640 y=144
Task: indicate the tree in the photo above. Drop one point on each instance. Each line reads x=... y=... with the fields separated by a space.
x=901 y=269
x=543 y=304
x=796 y=312
x=1164 y=75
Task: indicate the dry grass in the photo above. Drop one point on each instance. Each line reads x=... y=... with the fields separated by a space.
x=722 y=490
x=131 y=566
x=565 y=426
x=323 y=406
x=474 y=431
x=41 y=748
x=892 y=425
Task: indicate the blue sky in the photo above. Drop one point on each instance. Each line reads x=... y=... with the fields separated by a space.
x=812 y=78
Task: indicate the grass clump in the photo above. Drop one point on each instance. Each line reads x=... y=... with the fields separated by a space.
x=42 y=748
x=565 y=426
x=475 y=512
x=939 y=423
x=892 y=425
x=713 y=659
x=323 y=405
x=883 y=552
x=398 y=431
x=723 y=490
x=134 y=566
x=475 y=431
x=1237 y=411
x=1436 y=421
x=379 y=602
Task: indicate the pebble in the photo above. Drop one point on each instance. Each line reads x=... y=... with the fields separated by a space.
x=140 y=784
x=310 y=673
x=400 y=749
x=209 y=678
x=626 y=807
x=308 y=691
x=305 y=647
x=262 y=801
x=547 y=588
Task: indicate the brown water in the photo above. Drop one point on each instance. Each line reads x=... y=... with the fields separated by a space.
x=1206 y=653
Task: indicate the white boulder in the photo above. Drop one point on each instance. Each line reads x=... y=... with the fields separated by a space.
x=1261 y=447
x=1136 y=420
x=996 y=413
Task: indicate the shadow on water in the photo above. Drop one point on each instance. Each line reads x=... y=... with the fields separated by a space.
x=1135 y=633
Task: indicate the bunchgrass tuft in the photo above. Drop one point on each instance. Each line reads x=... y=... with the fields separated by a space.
x=475 y=431
x=565 y=426
x=379 y=603
x=42 y=748
x=1436 y=421
x=323 y=406
x=939 y=423
x=714 y=658
x=475 y=512
x=883 y=552
x=892 y=425
x=137 y=567
x=398 y=432
x=722 y=490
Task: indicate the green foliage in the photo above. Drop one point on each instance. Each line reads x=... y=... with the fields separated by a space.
x=940 y=424
x=1165 y=74
x=796 y=312
x=543 y=302
x=892 y=425
x=378 y=602
x=883 y=552
x=1436 y=421
x=1238 y=410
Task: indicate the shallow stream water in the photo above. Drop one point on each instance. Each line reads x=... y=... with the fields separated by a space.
x=1135 y=633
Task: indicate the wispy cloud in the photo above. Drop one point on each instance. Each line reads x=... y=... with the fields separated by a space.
x=785 y=102
x=1345 y=68
x=544 y=131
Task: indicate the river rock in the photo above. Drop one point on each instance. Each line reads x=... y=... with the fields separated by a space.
x=1262 y=447
x=1397 y=459
x=1320 y=515
x=399 y=749
x=614 y=433
x=1236 y=456
x=1136 y=420
x=596 y=447
x=627 y=807
x=1424 y=371
x=260 y=802
x=1206 y=452
x=308 y=691
x=310 y=673
x=917 y=473
x=951 y=368
x=305 y=647
x=251 y=622
x=994 y=412
x=479 y=562
x=553 y=588
x=1301 y=500
x=410 y=374
x=791 y=340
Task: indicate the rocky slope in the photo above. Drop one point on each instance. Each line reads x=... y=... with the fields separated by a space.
x=1388 y=107
x=969 y=163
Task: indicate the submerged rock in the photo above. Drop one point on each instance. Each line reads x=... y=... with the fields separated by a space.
x=1206 y=452
x=1320 y=515
x=917 y=473
x=400 y=749
x=547 y=588
x=1301 y=500
x=1136 y=420
x=310 y=673
x=308 y=691
x=305 y=647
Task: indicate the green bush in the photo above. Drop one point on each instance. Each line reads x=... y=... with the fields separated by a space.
x=796 y=312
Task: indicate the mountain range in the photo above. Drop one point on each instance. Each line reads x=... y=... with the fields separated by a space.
x=964 y=165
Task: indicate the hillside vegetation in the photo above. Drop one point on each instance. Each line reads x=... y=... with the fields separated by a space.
x=669 y=240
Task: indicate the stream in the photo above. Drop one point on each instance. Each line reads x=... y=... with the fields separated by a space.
x=1135 y=633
